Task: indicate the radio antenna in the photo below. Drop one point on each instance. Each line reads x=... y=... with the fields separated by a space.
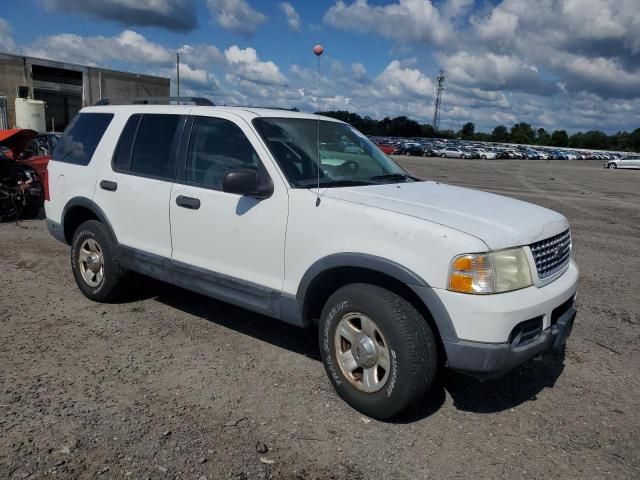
x=318 y=51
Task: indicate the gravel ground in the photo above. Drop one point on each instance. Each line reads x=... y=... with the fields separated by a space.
x=174 y=385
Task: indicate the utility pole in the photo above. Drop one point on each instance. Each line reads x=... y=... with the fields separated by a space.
x=178 y=76
x=439 y=91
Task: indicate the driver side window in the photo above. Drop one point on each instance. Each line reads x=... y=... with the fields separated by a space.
x=216 y=146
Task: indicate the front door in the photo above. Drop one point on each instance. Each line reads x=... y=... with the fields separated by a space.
x=228 y=241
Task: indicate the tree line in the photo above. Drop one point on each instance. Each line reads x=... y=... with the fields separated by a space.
x=521 y=133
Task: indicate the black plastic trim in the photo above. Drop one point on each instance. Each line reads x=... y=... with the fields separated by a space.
x=93 y=207
x=188 y=202
x=212 y=284
x=108 y=185
x=56 y=230
x=384 y=266
x=490 y=360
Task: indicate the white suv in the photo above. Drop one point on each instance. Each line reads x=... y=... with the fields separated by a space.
x=402 y=276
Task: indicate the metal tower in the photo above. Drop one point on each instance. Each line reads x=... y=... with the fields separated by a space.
x=439 y=91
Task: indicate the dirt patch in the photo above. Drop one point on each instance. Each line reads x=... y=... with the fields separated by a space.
x=171 y=384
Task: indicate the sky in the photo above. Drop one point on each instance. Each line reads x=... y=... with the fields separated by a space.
x=556 y=64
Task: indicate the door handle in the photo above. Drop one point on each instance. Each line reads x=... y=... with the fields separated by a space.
x=188 y=202
x=108 y=185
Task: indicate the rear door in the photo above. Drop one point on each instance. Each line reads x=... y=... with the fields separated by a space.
x=134 y=189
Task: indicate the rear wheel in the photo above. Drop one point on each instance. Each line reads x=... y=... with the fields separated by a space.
x=379 y=352
x=93 y=262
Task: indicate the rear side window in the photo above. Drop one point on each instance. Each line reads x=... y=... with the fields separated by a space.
x=122 y=157
x=146 y=146
x=81 y=137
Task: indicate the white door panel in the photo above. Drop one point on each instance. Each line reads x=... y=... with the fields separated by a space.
x=237 y=236
x=138 y=211
x=241 y=237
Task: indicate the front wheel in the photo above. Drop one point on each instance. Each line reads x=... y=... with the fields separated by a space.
x=444 y=155
x=379 y=352
x=612 y=166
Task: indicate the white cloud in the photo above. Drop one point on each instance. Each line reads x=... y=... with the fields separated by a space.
x=293 y=19
x=7 y=44
x=128 y=46
x=202 y=55
x=492 y=71
x=358 y=71
x=236 y=15
x=400 y=81
x=245 y=64
x=417 y=20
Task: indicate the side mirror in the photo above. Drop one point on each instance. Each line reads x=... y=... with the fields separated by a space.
x=244 y=181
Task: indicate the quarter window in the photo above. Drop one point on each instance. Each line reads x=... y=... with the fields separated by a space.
x=215 y=147
x=81 y=137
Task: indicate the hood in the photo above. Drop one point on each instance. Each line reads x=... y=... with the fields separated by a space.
x=500 y=222
x=16 y=139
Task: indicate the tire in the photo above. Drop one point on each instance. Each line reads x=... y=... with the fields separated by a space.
x=463 y=156
x=444 y=155
x=399 y=330
x=94 y=243
x=484 y=157
x=612 y=166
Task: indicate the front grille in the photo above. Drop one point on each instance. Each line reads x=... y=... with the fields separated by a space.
x=552 y=254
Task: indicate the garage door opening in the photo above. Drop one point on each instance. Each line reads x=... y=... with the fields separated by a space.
x=61 y=89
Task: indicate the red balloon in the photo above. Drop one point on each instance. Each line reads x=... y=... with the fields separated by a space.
x=318 y=50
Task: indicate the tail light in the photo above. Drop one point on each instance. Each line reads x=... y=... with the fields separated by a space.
x=45 y=183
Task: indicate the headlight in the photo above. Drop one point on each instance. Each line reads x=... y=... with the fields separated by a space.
x=495 y=272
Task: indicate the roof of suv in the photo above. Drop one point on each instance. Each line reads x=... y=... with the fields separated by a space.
x=247 y=113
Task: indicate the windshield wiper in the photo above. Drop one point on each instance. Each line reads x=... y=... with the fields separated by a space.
x=394 y=177
x=344 y=182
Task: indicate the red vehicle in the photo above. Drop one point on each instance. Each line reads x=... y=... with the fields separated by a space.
x=22 y=182
x=388 y=149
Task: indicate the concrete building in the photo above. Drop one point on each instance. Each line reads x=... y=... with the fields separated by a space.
x=66 y=88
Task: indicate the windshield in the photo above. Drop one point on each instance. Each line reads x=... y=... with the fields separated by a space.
x=347 y=157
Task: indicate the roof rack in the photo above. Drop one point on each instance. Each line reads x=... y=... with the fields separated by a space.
x=266 y=108
x=199 y=101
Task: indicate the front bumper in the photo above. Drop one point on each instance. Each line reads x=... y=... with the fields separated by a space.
x=489 y=360
x=495 y=333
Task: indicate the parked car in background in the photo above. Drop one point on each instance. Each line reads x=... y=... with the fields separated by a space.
x=21 y=191
x=484 y=153
x=453 y=152
x=627 y=161
x=412 y=149
x=387 y=148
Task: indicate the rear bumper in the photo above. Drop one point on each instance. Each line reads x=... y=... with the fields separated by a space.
x=56 y=231
x=488 y=360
